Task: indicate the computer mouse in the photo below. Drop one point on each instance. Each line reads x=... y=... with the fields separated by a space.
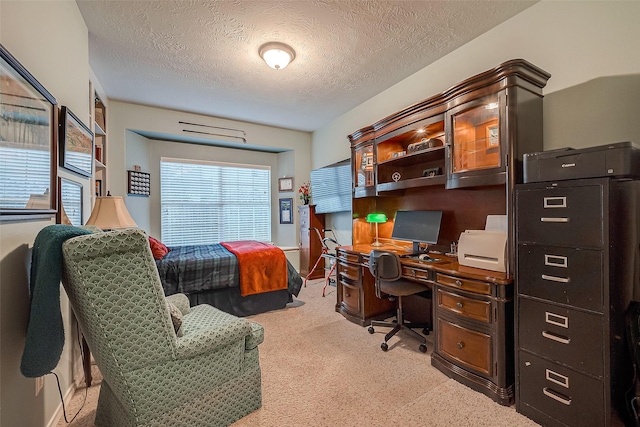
x=424 y=257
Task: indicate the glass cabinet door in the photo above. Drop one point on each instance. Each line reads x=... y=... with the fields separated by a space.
x=476 y=138
x=474 y=142
x=364 y=166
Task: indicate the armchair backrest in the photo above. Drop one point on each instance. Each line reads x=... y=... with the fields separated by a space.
x=115 y=291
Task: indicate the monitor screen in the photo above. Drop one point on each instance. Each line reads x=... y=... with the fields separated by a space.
x=417 y=226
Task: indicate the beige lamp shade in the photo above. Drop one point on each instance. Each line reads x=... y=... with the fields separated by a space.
x=110 y=213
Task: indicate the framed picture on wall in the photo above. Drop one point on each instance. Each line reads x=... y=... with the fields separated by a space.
x=28 y=142
x=76 y=144
x=285 y=185
x=286 y=211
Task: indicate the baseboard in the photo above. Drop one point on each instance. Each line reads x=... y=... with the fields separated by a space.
x=57 y=415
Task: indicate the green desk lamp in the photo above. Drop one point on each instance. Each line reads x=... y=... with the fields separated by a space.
x=376 y=218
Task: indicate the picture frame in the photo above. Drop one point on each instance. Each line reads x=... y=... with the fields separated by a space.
x=286 y=211
x=493 y=135
x=76 y=144
x=28 y=143
x=431 y=172
x=70 y=202
x=285 y=185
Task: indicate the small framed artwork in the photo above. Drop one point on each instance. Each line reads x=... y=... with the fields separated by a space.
x=493 y=135
x=76 y=144
x=285 y=185
x=70 y=211
x=98 y=188
x=286 y=211
x=431 y=172
x=139 y=183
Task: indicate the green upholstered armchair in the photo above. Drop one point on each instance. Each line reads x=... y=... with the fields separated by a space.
x=209 y=376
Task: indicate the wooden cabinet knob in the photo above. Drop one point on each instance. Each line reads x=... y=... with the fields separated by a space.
x=460 y=345
x=459 y=304
x=458 y=282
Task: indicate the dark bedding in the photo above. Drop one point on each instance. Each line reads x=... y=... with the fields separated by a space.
x=201 y=268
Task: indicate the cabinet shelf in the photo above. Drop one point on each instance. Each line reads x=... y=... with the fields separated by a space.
x=415 y=158
x=97 y=130
x=99 y=165
x=412 y=183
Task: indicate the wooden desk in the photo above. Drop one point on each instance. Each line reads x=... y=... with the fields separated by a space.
x=472 y=315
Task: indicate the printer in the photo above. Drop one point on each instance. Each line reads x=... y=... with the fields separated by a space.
x=620 y=160
x=486 y=248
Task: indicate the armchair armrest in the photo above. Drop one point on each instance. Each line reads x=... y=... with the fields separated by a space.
x=181 y=301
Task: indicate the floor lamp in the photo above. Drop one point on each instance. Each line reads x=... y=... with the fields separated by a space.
x=376 y=218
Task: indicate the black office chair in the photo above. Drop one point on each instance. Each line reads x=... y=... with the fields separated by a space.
x=387 y=270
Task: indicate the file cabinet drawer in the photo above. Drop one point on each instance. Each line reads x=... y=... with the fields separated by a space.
x=463 y=306
x=561 y=216
x=464 y=346
x=571 y=337
x=564 y=275
x=569 y=396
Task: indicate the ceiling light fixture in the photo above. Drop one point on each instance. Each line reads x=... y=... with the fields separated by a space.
x=277 y=55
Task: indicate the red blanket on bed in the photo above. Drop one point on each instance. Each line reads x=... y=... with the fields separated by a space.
x=263 y=267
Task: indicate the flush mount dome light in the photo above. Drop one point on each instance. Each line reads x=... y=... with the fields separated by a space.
x=277 y=55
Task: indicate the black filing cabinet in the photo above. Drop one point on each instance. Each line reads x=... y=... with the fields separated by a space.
x=577 y=241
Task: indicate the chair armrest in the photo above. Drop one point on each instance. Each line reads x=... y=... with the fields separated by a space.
x=181 y=301
x=206 y=328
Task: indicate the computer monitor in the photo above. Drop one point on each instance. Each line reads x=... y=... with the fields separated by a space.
x=417 y=227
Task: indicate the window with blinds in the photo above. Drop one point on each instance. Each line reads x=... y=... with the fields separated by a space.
x=209 y=202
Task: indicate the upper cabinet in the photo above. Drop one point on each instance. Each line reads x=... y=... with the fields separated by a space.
x=474 y=134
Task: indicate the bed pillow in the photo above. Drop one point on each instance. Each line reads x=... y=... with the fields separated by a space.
x=158 y=249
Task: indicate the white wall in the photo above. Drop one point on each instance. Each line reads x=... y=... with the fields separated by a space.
x=125 y=149
x=575 y=41
x=50 y=40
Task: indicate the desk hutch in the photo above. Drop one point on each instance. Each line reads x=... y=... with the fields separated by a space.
x=460 y=152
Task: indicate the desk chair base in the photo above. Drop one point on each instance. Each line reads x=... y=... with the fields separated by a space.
x=400 y=325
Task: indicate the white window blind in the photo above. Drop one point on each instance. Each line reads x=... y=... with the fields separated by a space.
x=209 y=202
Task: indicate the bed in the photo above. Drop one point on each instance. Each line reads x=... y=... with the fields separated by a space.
x=211 y=274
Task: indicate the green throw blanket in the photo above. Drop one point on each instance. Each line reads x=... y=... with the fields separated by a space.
x=45 y=332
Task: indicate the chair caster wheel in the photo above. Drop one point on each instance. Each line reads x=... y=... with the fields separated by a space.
x=384 y=346
x=425 y=331
x=423 y=348
x=371 y=330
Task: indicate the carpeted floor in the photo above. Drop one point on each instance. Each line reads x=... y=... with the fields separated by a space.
x=318 y=369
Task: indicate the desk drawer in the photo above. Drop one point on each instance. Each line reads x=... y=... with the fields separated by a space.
x=463 y=306
x=569 y=396
x=350 y=271
x=564 y=275
x=415 y=274
x=573 y=338
x=464 y=284
x=350 y=298
x=348 y=257
x=561 y=216
x=466 y=347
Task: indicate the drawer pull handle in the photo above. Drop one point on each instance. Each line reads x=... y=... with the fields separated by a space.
x=556 y=319
x=555 y=261
x=458 y=282
x=557 y=378
x=555 y=337
x=347 y=295
x=556 y=278
x=459 y=304
x=556 y=396
x=550 y=219
x=555 y=202
x=460 y=345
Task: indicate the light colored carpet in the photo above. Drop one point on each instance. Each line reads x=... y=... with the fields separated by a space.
x=318 y=369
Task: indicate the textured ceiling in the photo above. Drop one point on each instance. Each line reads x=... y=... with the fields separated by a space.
x=202 y=56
